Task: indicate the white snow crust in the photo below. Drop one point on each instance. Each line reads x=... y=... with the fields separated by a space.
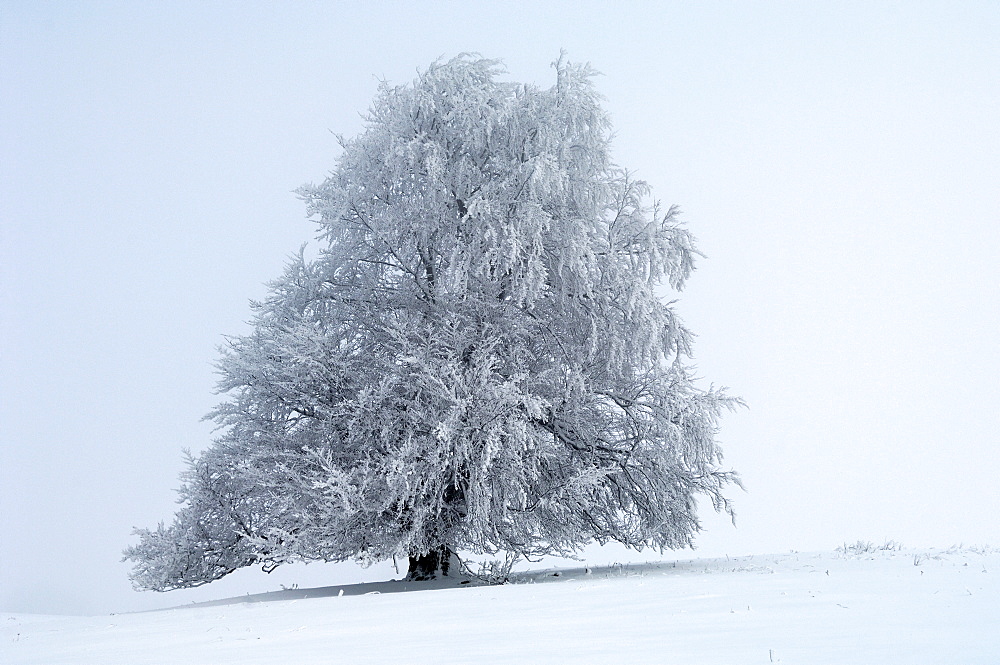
x=883 y=606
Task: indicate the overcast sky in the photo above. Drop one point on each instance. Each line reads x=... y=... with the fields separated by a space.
x=840 y=167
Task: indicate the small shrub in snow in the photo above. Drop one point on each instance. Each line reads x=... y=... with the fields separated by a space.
x=868 y=547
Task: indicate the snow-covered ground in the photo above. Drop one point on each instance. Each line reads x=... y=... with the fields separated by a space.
x=880 y=606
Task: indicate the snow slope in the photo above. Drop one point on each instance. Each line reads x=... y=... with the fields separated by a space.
x=888 y=606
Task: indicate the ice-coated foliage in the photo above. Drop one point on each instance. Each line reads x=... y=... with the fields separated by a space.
x=476 y=359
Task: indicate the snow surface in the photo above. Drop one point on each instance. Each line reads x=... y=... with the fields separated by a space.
x=882 y=606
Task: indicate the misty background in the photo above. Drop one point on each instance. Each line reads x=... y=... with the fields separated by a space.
x=840 y=167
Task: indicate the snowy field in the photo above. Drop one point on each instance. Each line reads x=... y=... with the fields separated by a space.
x=858 y=607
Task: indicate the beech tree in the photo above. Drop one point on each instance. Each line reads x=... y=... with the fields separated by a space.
x=475 y=358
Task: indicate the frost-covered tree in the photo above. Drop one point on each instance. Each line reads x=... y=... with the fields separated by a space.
x=475 y=359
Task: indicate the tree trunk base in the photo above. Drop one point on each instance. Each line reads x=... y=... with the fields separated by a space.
x=431 y=565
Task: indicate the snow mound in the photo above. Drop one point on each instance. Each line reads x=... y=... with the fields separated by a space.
x=876 y=606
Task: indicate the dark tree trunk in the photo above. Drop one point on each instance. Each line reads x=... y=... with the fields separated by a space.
x=430 y=565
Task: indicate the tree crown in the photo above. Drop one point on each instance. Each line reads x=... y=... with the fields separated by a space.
x=476 y=359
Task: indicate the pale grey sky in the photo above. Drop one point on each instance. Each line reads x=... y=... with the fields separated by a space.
x=839 y=164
